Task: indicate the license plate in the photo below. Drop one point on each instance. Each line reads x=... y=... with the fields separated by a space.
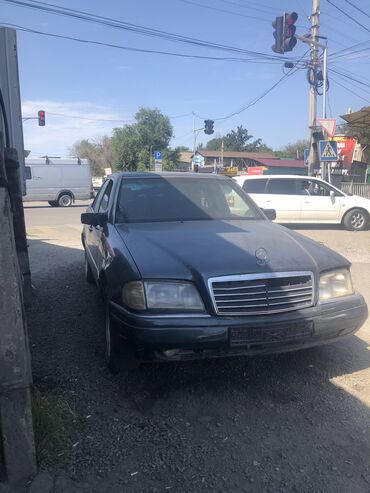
x=244 y=336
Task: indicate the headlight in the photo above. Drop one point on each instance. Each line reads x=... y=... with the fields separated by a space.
x=335 y=284
x=153 y=295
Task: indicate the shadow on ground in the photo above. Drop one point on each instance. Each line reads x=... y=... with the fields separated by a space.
x=271 y=424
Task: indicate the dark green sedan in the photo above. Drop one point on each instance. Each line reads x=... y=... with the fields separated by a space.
x=190 y=267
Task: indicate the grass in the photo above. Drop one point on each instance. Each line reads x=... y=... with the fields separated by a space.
x=50 y=415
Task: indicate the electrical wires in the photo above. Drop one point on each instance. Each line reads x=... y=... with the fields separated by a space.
x=135 y=28
x=254 y=101
x=349 y=16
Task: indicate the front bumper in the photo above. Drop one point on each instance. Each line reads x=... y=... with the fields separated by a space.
x=193 y=337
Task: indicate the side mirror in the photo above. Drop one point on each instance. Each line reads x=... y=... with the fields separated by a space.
x=94 y=218
x=270 y=213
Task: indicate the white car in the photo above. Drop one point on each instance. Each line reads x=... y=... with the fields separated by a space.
x=302 y=199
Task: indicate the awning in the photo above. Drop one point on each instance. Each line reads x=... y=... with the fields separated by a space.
x=359 y=118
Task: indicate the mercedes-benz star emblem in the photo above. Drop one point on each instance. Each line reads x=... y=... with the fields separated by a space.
x=262 y=256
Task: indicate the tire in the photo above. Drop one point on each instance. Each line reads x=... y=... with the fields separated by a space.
x=88 y=272
x=65 y=200
x=118 y=357
x=356 y=220
x=53 y=203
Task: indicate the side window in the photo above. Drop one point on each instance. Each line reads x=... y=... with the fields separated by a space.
x=282 y=187
x=254 y=186
x=316 y=188
x=27 y=172
x=104 y=203
x=98 y=197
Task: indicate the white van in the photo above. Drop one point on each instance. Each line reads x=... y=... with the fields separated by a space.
x=58 y=181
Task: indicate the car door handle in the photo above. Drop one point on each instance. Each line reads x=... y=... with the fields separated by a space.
x=307 y=202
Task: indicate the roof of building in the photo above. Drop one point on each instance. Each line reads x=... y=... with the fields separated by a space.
x=282 y=163
x=237 y=154
x=358 y=118
x=185 y=156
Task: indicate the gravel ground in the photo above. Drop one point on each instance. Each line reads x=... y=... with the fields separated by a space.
x=297 y=422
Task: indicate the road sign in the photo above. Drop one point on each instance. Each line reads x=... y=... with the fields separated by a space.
x=328 y=150
x=306 y=155
x=329 y=125
x=158 y=166
x=199 y=160
x=158 y=156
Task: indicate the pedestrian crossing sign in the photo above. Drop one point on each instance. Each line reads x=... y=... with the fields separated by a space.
x=328 y=150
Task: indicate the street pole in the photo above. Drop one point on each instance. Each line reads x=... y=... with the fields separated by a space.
x=325 y=79
x=315 y=24
x=194 y=143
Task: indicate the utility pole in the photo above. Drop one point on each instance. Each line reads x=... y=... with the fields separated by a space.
x=222 y=154
x=315 y=25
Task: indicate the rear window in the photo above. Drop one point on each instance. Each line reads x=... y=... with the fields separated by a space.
x=282 y=187
x=27 y=172
x=254 y=186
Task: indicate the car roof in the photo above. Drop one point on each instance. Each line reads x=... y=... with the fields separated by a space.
x=168 y=174
x=259 y=177
x=272 y=177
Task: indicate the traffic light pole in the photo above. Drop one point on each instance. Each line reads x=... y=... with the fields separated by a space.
x=315 y=25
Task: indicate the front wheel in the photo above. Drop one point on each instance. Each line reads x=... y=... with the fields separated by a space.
x=118 y=354
x=356 y=220
x=65 y=200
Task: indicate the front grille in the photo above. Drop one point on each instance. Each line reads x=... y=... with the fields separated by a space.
x=255 y=294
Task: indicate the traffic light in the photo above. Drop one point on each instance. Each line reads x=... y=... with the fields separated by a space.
x=41 y=118
x=279 y=26
x=284 y=31
x=208 y=127
x=289 y=39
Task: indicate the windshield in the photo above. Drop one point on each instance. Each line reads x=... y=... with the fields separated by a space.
x=182 y=199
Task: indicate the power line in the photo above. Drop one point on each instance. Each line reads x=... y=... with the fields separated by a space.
x=137 y=50
x=349 y=90
x=345 y=78
x=357 y=8
x=224 y=11
x=340 y=53
x=349 y=16
x=135 y=28
x=254 y=101
x=117 y=120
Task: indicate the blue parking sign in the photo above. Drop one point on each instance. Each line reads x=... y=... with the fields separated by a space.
x=158 y=156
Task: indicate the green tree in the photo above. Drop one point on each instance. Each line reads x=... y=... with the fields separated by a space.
x=237 y=140
x=132 y=144
x=98 y=152
x=293 y=150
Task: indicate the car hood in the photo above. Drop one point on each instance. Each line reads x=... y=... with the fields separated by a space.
x=187 y=250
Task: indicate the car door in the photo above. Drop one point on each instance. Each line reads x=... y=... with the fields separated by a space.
x=255 y=188
x=100 y=231
x=320 y=202
x=281 y=195
x=90 y=232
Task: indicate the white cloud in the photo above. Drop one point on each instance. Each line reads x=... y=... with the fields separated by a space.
x=65 y=124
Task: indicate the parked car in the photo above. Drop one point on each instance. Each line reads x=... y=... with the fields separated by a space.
x=58 y=181
x=190 y=267
x=302 y=199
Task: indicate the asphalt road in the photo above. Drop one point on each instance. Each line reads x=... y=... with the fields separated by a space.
x=296 y=422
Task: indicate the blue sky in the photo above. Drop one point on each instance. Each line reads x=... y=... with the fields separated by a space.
x=87 y=81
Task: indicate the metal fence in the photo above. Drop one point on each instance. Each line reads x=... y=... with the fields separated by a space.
x=361 y=189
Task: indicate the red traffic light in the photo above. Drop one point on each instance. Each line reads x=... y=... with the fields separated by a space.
x=41 y=118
